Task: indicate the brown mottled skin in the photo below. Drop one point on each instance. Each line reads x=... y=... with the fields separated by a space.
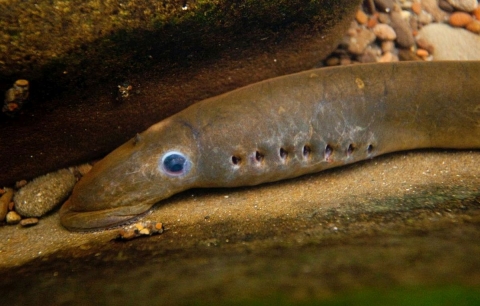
x=283 y=128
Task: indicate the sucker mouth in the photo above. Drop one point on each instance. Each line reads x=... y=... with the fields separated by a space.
x=100 y=219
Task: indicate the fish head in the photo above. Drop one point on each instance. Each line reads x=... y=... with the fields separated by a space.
x=150 y=167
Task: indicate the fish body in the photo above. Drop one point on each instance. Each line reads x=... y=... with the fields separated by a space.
x=283 y=128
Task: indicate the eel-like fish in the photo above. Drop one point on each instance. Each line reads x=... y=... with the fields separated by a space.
x=283 y=128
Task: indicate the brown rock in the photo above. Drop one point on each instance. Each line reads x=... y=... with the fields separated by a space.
x=29 y=222
x=460 y=19
x=402 y=28
x=384 y=5
x=447 y=7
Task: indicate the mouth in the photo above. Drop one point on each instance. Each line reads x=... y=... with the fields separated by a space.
x=99 y=219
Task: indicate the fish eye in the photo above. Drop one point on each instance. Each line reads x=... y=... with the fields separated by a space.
x=175 y=164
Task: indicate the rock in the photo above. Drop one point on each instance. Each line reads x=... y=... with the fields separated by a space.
x=460 y=19
x=474 y=26
x=361 y=17
x=417 y=8
x=13 y=217
x=402 y=28
x=447 y=7
x=431 y=6
x=44 y=193
x=450 y=43
x=384 y=32
x=476 y=13
x=4 y=202
x=360 y=40
x=464 y=5
x=29 y=222
x=385 y=5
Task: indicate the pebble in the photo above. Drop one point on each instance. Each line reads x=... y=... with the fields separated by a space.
x=44 y=193
x=474 y=26
x=13 y=217
x=5 y=200
x=417 y=8
x=431 y=6
x=384 y=32
x=385 y=5
x=464 y=5
x=360 y=40
x=450 y=43
x=402 y=28
x=361 y=17
x=447 y=7
x=476 y=13
x=460 y=19
x=29 y=222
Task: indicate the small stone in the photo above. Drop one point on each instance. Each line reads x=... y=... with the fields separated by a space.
x=474 y=26
x=476 y=13
x=464 y=5
x=144 y=231
x=460 y=19
x=332 y=61
x=422 y=53
x=422 y=43
x=361 y=17
x=417 y=8
x=384 y=32
x=387 y=58
x=447 y=7
x=20 y=184
x=84 y=169
x=402 y=29
x=360 y=41
x=28 y=222
x=373 y=21
x=431 y=6
x=158 y=226
x=5 y=200
x=13 y=217
x=384 y=18
x=370 y=55
x=387 y=46
x=425 y=18
x=384 y=5
x=44 y=193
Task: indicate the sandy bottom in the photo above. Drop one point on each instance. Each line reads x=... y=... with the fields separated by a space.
x=404 y=219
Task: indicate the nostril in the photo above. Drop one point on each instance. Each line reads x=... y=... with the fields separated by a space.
x=259 y=156
x=283 y=153
x=306 y=151
x=236 y=160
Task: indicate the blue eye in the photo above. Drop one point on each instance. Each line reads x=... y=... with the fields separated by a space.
x=175 y=164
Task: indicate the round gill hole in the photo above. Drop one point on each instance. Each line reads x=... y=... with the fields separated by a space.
x=328 y=151
x=236 y=160
x=306 y=151
x=350 y=149
x=259 y=156
x=283 y=153
x=369 y=148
